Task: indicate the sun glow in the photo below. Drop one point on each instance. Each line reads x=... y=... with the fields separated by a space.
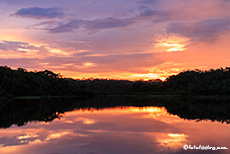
x=171 y=43
x=145 y=76
x=173 y=46
x=57 y=51
x=88 y=64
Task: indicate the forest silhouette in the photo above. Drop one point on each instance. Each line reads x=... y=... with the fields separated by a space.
x=21 y=82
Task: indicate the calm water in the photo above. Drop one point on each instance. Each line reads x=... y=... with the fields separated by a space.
x=112 y=126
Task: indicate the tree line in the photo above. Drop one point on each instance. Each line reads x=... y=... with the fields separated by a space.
x=20 y=82
x=197 y=82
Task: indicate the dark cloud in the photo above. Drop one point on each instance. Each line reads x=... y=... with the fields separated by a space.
x=158 y=15
x=148 y=13
x=148 y=7
x=66 y=27
x=149 y=2
x=39 y=13
x=91 y=25
x=108 y=23
x=207 y=30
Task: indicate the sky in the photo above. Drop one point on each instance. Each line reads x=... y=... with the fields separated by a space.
x=122 y=39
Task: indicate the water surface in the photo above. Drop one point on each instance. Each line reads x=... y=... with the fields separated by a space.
x=112 y=126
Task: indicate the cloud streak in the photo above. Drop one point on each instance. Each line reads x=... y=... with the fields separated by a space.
x=95 y=25
x=91 y=25
x=39 y=13
x=21 y=47
x=207 y=30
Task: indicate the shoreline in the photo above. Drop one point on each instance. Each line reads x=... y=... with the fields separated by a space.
x=159 y=96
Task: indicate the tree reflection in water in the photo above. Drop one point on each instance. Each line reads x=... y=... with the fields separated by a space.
x=20 y=112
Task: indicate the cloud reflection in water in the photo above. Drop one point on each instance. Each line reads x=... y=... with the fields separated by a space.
x=115 y=130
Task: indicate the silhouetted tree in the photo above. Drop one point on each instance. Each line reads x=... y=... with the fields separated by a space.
x=20 y=82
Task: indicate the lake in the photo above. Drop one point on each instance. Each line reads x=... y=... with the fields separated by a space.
x=113 y=126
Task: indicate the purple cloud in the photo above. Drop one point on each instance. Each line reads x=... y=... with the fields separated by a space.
x=21 y=47
x=109 y=22
x=91 y=25
x=149 y=2
x=148 y=13
x=207 y=30
x=21 y=62
x=39 y=13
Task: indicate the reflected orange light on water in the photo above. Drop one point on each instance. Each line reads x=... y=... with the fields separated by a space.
x=174 y=141
x=27 y=136
x=81 y=127
x=57 y=135
x=122 y=110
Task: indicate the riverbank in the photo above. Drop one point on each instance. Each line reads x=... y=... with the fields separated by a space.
x=159 y=96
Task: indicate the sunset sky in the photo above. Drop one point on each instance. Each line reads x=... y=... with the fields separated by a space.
x=119 y=39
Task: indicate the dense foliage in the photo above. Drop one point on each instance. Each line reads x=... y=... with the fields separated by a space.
x=211 y=82
x=20 y=82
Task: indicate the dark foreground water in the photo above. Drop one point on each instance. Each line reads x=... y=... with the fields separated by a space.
x=113 y=126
